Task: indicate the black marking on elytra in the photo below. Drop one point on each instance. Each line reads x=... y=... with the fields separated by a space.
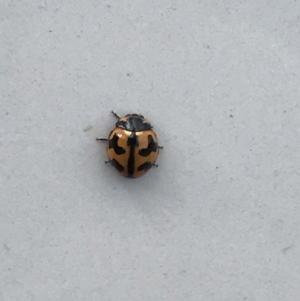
x=152 y=147
x=113 y=143
x=145 y=152
x=117 y=165
x=132 y=142
x=134 y=123
x=145 y=166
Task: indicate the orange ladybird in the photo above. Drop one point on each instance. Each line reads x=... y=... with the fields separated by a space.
x=132 y=146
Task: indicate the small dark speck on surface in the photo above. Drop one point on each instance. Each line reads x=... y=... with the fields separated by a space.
x=284 y=250
x=88 y=128
x=217 y=167
x=50 y=30
x=129 y=74
x=231 y=116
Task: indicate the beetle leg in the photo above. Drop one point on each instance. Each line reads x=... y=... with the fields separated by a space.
x=106 y=162
x=161 y=147
x=115 y=114
x=101 y=139
x=154 y=165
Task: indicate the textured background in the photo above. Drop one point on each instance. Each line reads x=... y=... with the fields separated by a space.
x=219 y=219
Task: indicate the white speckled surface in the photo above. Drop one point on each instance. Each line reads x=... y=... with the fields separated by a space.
x=219 y=220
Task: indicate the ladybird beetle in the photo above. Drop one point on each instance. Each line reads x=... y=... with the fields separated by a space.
x=132 y=146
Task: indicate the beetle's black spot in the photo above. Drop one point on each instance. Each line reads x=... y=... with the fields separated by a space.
x=132 y=142
x=134 y=123
x=117 y=165
x=152 y=144
x=152 y=147
x=113 y=143
x=146 y=166
x=145 y=152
